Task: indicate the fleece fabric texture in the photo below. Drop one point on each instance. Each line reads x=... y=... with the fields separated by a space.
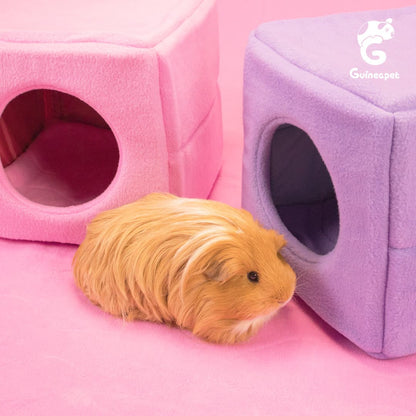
x=62 y=355
x=329 y=161
x=149 y=69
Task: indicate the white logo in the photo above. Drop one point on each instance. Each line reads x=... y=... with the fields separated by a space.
x=371 y=33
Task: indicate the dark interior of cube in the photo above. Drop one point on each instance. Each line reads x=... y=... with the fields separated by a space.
x=55 y=149
x=302 y=190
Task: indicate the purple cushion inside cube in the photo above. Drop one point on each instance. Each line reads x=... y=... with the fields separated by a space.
x=330 y=161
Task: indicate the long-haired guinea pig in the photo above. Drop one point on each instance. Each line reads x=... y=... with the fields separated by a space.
x=196 y=264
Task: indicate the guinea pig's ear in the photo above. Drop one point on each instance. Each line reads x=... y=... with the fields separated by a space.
x=215 y=271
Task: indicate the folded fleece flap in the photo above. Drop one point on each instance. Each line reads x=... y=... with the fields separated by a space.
x=351 y=233
x=149 y=69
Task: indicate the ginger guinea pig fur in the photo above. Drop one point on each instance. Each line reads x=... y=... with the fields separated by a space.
x=196 y=264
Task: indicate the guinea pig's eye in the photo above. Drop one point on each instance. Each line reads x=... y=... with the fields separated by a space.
x=253 y=277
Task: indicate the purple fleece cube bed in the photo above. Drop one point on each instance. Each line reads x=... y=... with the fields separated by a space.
x=330 y=161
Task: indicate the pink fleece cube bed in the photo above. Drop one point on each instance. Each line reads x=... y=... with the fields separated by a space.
x=101 y=104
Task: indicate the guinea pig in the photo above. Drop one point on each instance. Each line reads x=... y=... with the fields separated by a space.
x=196 y=264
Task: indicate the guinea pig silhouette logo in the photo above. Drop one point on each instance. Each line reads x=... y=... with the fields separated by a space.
x=372 y=33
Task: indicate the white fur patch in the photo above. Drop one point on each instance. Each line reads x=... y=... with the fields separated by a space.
x=244 y=326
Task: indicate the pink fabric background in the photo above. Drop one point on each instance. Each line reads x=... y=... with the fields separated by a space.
x=61 y=355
